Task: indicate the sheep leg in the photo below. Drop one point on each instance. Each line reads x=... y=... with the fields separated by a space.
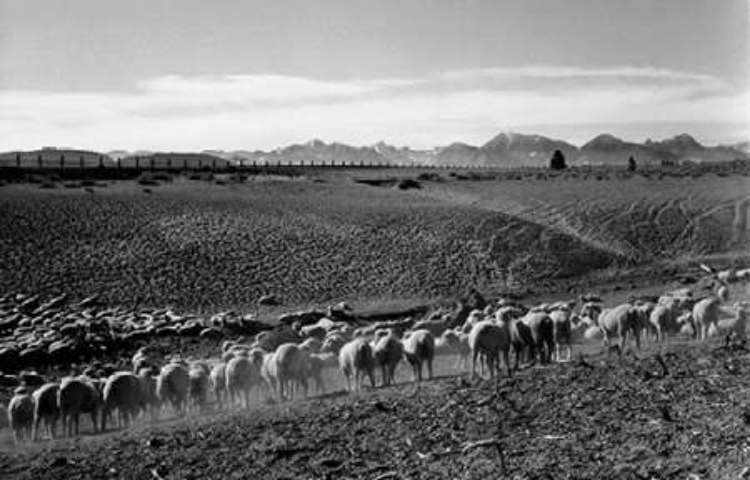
x=475 y=353
x=429 y=369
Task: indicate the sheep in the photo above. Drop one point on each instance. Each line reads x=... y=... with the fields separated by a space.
x=21 y=414
x=172 y=385
x=356 y=359
x=142 y=359
x=537 y=333
x=488 y=339
x=475 y=316
x=3 y=416
x=241 y=376
x=663 y=320
x=46 y=408
x=561 y=332
x=317 y=363
x=722 y=292
x=122 y=392
x=621 y=321
x=419 y=348
x=387 y=352
x=454 y=342
x=333 y=343
x=290 y=368
x=311 y=345
x=219 y=383
x=435 y=327
x=198 y=382
x=706 y=314
x=642 y=312
x=734 y=327
x=149 y=402
x=77 y=395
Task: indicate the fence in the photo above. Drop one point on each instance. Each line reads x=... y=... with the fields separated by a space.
x=102 y=167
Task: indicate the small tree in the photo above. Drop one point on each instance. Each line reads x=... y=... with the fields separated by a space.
x=557 y=162
x=632 y=166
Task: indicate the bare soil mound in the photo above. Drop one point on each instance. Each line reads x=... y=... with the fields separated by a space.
x=203 y=248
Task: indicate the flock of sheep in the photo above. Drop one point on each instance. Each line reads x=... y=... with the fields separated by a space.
x=285 y=363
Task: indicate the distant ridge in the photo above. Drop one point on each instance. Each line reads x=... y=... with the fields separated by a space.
x=506 y=149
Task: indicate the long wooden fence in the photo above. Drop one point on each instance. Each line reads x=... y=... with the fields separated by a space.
x=102 y=167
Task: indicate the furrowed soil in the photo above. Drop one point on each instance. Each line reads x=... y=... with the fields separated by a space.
x=674 y=412
x=201 y=247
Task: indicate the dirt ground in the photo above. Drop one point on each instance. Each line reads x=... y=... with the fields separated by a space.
x=668 y=412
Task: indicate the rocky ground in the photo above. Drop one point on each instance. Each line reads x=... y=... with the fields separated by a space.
x=680 y=411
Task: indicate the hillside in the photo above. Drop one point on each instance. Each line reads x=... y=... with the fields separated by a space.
x=199 y=246
x=211 y=247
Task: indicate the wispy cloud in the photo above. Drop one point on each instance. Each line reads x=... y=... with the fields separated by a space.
x=265 y=111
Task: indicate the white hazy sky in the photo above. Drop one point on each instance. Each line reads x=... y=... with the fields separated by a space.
x=253 y=74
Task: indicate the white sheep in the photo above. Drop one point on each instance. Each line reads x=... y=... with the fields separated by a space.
x=149 y=403
x=311 y=345
x=46 y=408
x=387 y=352
x=333 y=343
x=562 y=331
x=78 y=395
x=123 y=393
x=219 y=383
x=241 y=376
x=356 y=360
x=143 y=359
x=706 y=315
x=453 y=342
x=290 y=369
x=318 y=362
x=3 y=416
x=621 y=321
x=487 y=340
x=198 y=383
x=21 y=414
x=172 y=386
x=419 y=349
x=734 y=327
x=663 y=320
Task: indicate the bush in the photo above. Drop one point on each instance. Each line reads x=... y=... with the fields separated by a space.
x=147 y=179
x=408 y=184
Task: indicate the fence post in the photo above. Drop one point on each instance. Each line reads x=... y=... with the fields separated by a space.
x=80 y=164
x=62 y=163
x=137 y=163
x=39 y=160
x=151 y=163
x=213 y=165
x=18 y=160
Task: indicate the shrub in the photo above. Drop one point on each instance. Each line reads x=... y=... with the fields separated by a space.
x=147 y=179
x=407 y=184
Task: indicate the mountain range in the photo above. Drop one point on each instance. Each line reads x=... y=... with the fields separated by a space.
x=504 y=150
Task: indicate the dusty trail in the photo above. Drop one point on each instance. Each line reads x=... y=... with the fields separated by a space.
x=592 y=418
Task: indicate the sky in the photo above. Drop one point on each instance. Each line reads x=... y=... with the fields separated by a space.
x=254 y=74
